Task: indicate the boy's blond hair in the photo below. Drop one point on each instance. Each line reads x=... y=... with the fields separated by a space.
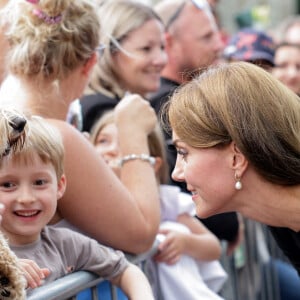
x=44 y=140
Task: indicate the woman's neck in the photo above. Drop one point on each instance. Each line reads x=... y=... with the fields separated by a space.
x=274 y=205
x=44 y=99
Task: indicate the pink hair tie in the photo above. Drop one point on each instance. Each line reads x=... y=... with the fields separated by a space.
x=46 y=18
x=33 y=1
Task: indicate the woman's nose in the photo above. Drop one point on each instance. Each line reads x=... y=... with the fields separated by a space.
x=178 y=174
x=160 y=58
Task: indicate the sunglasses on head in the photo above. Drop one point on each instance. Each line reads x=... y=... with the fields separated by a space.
x=101 y=49
x=200 y=4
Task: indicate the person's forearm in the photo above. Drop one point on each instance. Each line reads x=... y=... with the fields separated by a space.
x=202 y=247
x=137 y=175
x=134 y=284
x=200 y=243
x=139 y=178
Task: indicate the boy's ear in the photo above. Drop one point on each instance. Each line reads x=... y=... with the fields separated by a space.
x=89 y=64
x=61 y=186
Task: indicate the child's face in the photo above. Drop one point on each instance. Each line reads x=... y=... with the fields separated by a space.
x=107 y=145
x=29 y=192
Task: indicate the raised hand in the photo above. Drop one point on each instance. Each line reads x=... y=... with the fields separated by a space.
x=136 y=113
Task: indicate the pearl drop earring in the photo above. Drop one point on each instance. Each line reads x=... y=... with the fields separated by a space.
x=238 y=184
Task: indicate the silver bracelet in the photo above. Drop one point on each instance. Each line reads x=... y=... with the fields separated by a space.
x=143 y=157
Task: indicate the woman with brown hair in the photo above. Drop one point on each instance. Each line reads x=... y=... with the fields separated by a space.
x=237 y=133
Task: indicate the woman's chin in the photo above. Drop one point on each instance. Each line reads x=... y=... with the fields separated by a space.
x=205 y=212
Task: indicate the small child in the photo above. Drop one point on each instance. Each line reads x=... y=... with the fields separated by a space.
x=31 y=182
x=186 y=265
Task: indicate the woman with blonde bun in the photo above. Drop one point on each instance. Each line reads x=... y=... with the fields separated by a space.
x=53 y=48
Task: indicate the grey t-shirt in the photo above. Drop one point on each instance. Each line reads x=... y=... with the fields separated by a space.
x=64 y=251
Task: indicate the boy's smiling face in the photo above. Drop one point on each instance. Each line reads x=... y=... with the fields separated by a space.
x=29 y=189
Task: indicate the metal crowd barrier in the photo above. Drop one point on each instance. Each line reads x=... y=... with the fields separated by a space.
x=84 y=285
x=67 y=287
x=250 y=275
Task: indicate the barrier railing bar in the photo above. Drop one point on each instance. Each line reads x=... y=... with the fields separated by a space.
x=71 y=284
x=66 y=287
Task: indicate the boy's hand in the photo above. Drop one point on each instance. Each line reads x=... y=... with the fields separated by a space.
x=33 y=273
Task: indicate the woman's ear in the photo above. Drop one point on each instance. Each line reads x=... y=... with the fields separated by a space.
x=61 y=186
x=239 y=161
x=89 y=64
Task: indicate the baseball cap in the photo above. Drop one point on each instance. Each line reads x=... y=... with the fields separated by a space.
x=250 y=44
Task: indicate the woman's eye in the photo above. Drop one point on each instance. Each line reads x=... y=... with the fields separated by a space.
x=182 y=152
x=146 y=49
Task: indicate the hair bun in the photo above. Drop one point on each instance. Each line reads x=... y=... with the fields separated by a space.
x=53 y=8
